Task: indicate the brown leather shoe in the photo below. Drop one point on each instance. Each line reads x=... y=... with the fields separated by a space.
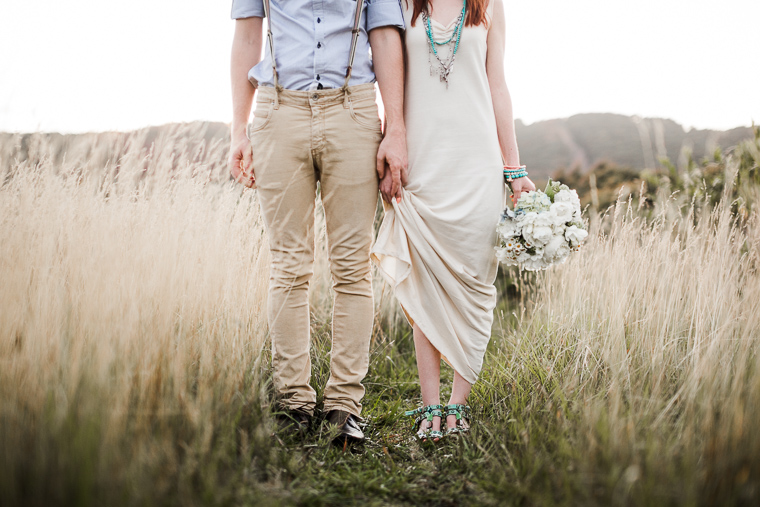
x=296 y=421
x=348 y=427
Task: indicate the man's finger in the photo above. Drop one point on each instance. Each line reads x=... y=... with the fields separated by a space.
x=384 y=191
x=235 y=170
x=380 y=166
x=246 y=162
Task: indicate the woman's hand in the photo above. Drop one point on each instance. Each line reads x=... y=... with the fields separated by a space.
x=521 y=185
x=240 y=160
x=387 y=190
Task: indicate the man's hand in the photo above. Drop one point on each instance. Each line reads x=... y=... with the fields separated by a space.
x=240 y=161
x=521 y=185
x=392 y=164
x=246 y=53
x=388 y=59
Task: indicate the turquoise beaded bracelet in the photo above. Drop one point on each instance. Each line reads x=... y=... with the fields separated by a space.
x=513 y=173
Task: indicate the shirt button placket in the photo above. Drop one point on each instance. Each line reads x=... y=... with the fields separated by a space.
x=319 y=52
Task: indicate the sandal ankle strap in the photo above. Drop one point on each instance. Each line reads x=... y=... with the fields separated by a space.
x=426 y=412
x=459 y=410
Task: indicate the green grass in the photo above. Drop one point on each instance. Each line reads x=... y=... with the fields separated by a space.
x=512 y=434
x=528 y=446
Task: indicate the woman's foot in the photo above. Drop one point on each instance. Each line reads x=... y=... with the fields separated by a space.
x=457 y=418
x=428 y=422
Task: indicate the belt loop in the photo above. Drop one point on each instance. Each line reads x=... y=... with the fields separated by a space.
x=276 y=101
x=346 y=96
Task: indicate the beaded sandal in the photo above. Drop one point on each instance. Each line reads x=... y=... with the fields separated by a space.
x=426 y=413
x=462 y=413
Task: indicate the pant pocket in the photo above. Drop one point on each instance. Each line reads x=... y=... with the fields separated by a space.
x=261 y=116
x=364 y=113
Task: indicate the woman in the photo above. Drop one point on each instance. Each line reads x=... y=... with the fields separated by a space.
x=435 y=245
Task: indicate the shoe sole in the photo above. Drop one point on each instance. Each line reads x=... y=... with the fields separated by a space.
x=345 y=441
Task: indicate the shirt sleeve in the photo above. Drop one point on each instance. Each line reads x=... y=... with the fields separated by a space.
x=384 y=13
x=247 y=9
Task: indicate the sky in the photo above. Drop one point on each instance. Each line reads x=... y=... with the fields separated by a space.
x=90 y=65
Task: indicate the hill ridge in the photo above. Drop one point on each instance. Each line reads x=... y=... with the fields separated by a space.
x=580 y=140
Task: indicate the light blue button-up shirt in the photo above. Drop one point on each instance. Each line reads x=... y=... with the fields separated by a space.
x=312 y=40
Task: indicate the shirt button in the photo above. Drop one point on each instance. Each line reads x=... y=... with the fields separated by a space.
x=319 y=86
x=319 y=20
x=317 y=77
x=319 y=44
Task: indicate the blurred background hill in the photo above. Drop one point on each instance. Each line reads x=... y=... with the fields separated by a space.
x=584 y=140
x=579 y=142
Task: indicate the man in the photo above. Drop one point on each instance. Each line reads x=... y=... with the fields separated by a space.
x=316 y=121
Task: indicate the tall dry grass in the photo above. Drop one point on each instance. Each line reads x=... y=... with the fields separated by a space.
x=133 y=278
x=133 y=316
x=648 y=341
x=132 y=347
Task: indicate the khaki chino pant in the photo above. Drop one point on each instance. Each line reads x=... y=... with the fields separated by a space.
x=300 y=138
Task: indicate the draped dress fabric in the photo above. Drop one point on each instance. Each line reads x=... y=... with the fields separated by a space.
x=436 y=247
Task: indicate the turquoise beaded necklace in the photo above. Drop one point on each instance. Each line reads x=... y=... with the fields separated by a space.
x=445 y=66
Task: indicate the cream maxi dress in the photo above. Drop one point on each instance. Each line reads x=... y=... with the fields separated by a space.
x=436 y=247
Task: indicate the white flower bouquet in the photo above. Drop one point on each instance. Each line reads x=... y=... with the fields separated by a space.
x=543 y=228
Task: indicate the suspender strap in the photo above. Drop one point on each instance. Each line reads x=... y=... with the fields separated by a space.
x=271 y=44
x=354 y=40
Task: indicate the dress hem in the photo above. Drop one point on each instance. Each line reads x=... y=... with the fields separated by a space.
x=376 y=256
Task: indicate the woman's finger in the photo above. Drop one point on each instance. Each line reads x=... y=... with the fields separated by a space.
x=380 y=165
x=395 y=184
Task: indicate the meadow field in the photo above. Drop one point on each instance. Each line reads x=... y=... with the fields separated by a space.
x=135 y=368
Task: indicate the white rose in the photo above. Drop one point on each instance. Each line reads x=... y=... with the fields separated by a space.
x=508 y=229
x=540 y=230
x=562 y=253
x=545 y=219
x=535 y=262
x=568 y=196
x=526 y=218
x=575 y=235
x=537 y=235
x=563 y=211
x=552 y=248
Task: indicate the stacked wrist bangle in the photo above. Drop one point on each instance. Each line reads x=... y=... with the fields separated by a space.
x=512 y=172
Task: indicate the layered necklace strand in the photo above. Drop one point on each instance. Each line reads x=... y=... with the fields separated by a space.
x=443 y=67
